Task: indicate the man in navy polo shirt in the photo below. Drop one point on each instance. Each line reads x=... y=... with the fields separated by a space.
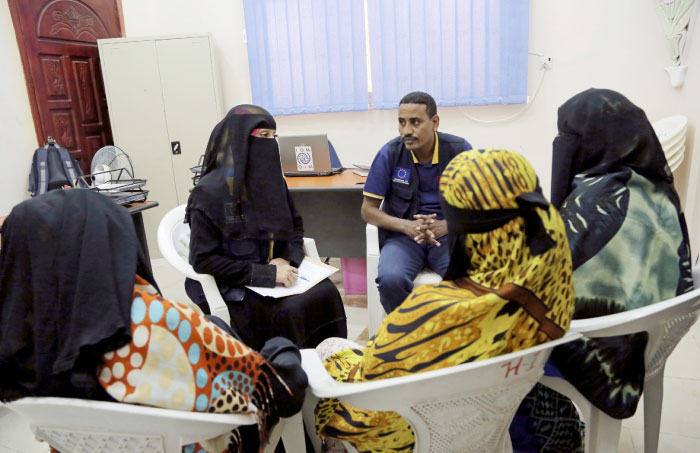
x=405 y=175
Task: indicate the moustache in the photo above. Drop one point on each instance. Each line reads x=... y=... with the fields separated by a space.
x=409 y=138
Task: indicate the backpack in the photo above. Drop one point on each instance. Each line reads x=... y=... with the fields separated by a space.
x=53 y=168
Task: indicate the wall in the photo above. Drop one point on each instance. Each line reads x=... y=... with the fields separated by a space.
x=222 y=18
x=18 y=139
x=598 y=43
x=617 y=45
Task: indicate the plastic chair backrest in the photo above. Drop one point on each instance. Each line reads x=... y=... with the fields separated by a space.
x=174 y=242
x=75 y=425
x=375 y=311
x=465 y=408
x=174 y=237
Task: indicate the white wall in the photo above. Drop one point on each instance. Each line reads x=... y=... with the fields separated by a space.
x=597 y=43
x=222 y=18
x=17 y=136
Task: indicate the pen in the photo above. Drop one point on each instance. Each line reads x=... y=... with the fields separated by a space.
x=303 y=278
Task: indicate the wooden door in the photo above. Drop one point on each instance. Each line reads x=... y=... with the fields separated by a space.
x=58 y=45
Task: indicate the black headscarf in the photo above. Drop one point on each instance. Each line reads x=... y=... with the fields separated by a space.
x=601 y=131
x=462 y=222
x=67 y=267
x=242 y=189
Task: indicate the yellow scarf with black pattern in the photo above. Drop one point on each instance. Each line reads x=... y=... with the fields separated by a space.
x=508 y=299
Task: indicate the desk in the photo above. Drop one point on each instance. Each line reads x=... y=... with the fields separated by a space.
x=135 y=209
x=330 y=207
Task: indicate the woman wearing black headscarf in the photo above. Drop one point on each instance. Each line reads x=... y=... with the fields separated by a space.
x=74 y=290
x=629 y=247
x=65 y=295
x=246 y=231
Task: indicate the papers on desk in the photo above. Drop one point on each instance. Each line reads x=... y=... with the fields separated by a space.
x=311 y=272
x=361 y=170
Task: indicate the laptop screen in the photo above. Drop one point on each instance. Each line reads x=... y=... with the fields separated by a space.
x=305 y=154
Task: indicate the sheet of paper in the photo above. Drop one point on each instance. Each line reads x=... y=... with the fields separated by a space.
x=311 y=272
x=361 y=166
x=360 y=172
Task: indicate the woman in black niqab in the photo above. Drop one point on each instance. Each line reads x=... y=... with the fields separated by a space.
x=240 y=190
x=629 y=248
x=245 y=231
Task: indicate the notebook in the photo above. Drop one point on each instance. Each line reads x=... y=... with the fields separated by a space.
x=311 y=272
x=306 y=155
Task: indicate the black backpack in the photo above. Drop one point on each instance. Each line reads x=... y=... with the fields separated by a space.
x=53 y=168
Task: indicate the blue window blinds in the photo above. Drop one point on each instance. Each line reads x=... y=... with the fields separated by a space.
x=462 y=52
x=307 y=56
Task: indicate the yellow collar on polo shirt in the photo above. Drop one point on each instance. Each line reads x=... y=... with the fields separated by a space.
x=435 y=152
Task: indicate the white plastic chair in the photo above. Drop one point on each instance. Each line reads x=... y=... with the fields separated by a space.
x=666 y=323
x=375 y=311
x=83 y=426
x=465 y=408
x=174 y=244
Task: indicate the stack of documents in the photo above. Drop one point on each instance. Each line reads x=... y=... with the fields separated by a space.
x=362 y=170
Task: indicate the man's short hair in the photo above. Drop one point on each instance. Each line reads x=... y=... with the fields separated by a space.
x=418 y=97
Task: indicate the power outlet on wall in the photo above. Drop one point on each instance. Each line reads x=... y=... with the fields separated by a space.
x=546 y=62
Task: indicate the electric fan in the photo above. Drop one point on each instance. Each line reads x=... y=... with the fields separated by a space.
x=112 y=174
x=110 y=161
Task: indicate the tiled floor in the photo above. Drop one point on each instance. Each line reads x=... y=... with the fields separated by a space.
x=680 y=420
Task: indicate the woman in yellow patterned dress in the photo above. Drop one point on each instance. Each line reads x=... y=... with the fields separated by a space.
x=507 y=244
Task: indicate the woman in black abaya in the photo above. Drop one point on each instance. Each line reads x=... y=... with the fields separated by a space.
x=74 y=289
x=246 y=231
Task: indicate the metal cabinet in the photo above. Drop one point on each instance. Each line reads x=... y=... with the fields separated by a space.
x=164 y=99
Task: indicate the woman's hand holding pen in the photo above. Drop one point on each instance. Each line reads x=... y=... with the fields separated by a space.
x=286 y=273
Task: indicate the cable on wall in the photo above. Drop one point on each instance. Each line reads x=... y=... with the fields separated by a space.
x=545 y=63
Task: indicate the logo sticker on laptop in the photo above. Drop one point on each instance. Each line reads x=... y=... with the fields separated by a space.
x=305 y=161
x=402 y=175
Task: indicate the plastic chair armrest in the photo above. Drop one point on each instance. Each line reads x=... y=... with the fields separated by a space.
x=372 y=240
x=310 y=248
x=217 y=306
x=373 y=395
x=639 y=319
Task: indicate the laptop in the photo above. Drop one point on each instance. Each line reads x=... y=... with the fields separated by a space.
x=306 y=155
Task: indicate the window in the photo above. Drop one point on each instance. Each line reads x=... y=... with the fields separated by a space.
x=462 y=52
x=309 y=56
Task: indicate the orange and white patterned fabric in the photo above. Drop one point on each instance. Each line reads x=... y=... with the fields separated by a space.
x=177 y=359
